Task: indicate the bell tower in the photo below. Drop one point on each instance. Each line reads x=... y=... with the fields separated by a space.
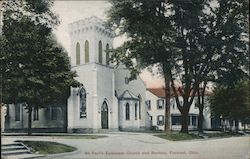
x=89 y=42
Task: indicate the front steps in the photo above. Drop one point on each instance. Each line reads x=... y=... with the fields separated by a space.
x=17 y=150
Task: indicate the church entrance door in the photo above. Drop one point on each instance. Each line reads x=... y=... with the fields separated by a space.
x=104 y=115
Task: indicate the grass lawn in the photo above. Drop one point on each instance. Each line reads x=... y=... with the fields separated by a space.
x=47 y=147
x=222 y=134
x=179 y=136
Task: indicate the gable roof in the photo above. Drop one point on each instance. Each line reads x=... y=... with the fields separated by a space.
x=127 y=95
x=160 y=92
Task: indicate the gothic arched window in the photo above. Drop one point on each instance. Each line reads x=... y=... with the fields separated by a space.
x=77 y=54
x=107 y=54
x=82 y=94
x=86 y=51
x=100 y=51
x=139 y=97
x=127 y=112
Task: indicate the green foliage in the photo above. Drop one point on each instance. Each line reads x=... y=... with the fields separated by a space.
x=179 y=136
x=191 y=41
x=232 y=103
x=37 y=68
x=47 y=147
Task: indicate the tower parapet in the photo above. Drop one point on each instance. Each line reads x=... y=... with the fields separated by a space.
x=89 y=41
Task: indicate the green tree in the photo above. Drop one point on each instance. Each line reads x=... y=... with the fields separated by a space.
x=37 y=68
x=149 y=34
x=232 y=102
x=190 y=41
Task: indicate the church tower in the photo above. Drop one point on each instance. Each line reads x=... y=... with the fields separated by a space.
x=93 y=106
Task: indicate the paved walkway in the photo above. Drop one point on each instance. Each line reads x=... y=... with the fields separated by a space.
x=147 y=146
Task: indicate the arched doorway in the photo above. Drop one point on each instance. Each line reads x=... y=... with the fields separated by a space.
x=104 y=115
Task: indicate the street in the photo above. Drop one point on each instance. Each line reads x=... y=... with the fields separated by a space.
x=147 y=146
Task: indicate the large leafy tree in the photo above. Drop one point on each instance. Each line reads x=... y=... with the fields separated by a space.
x=149 y=33
x=191 y=42
x=37 y=69
x=232 y=102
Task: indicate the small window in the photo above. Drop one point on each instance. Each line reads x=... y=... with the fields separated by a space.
x=36 y=113
x=100 y=51
x=173 y=105
x=181 y=103
x=107 y=54
x=148 y=103
x=127 y=112
x=126 y=80
x=160 y=103
x=136 y=111
x=140 y=99
x=196 y=103
x=77 y=54
x=18 y=112
x=160 y=120
x=86 y=51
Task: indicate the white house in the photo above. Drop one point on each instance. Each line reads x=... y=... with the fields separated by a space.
x=156 y=109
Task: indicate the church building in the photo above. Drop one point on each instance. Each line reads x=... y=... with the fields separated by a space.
x=109 y=99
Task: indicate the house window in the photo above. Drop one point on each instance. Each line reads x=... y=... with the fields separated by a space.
x=173 y=105
x=160 y=103
x=176 y=120
x=83 y=112
x=54 y=113
x=160 y=120
x=36 y=113
x=194 y=119
x=196 y=103
x=136 y=111
x=148 y=103
x=181 y=103
x=100 y=51
x=107 y=54
x=127 y=112
x=77 y=54
x=86 y=51
x=18 y=112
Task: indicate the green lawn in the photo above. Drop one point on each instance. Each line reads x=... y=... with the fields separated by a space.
x=47 y=147
x=179 y=136
x=222 y=134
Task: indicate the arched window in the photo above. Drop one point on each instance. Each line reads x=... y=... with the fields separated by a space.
x=82 y=94
x=127 y=112
x=136 y=111
x=77 y=54
x=139 y=97
x=100 y=51
x=107 y=54
x=86 y=51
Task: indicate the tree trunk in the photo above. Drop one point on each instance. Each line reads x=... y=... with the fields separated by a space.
x=184 y=122
x=29 y=120
x=200 y=120
x=167 y=105
x=167 y=79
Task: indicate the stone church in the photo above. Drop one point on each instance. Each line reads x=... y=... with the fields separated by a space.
x=108 y=100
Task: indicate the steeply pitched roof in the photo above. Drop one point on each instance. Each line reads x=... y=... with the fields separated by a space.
x=127 y=95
